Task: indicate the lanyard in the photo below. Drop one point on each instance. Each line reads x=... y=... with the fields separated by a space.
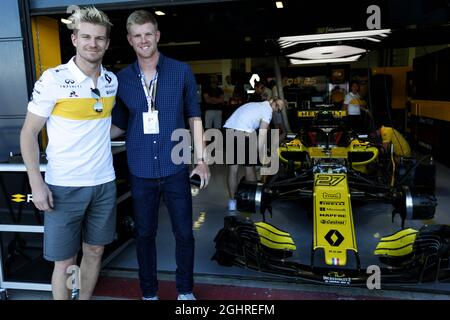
x=150 y=94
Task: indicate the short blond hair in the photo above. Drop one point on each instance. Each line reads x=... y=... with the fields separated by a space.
x=141 y=17
x=93 y=16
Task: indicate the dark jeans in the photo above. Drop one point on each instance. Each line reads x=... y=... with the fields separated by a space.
x=176 y=192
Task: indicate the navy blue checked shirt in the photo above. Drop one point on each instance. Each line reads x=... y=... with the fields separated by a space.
x=176 y=99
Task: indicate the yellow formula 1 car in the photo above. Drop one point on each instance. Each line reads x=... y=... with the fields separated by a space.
x=328 y=168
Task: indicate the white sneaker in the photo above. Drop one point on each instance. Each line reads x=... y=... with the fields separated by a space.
x=186 y=296
x=150 y=298
x=232 y=205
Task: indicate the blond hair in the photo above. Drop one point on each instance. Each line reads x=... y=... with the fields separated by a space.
x=90 y=15
x=141 y=17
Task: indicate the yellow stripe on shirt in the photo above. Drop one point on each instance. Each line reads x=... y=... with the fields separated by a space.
x=83 y=108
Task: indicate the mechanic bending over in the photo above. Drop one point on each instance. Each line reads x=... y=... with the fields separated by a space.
x=156 y=93
x=78 y=196
x=390 y=136
x=245 y=120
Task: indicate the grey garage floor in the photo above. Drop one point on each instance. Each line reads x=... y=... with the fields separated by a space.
x=372 y=221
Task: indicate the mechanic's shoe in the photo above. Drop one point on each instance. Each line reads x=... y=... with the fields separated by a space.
x=232 y=205
x=186 y=296
x=150 y=298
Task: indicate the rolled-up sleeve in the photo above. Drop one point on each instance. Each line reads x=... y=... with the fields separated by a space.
x=120 y=114
x=191 y=103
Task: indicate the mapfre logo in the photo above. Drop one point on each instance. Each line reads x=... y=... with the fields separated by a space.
x=21 y=198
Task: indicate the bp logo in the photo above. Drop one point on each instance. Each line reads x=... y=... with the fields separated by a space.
x=21 y=198
x=334 y=238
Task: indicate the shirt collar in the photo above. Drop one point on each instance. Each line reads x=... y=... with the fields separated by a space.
x=79 y=75
x=137 y=70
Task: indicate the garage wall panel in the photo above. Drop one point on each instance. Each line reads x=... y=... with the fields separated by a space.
x=13 y=89
x=14 y=74
x=9 y=26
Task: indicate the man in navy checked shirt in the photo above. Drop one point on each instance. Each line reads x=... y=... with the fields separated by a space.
x=156 y=94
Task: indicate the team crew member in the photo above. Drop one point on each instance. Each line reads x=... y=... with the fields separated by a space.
x=158 y=93
x=392 y=136
x=75 y=101
x=245 y=120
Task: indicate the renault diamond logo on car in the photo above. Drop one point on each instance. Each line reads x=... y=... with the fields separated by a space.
x=334 y=238
x=18 y=197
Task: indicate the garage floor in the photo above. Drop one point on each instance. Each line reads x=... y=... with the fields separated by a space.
x=371 y=222
x=118 y=278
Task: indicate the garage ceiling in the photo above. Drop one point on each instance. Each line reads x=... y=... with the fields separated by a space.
x=194 y=30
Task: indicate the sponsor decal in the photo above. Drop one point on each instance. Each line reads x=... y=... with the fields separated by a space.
x=335 y=222
x=332 y=215
x=18 y=198
x=75 y=86
x=334 y=238
x=110 y=91
x=61 y=69
x=332 y=195
x=108 y=78
x=337 y=280
x=69 y=81
x=21 y=198
x=332 y=203
x=73 y=94
x=336 y=274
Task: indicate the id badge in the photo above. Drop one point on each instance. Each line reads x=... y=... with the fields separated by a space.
x=151 y=122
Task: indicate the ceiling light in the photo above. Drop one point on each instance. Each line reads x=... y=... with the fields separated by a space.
x=279 y=4
x=160 y=13
x=328 y=52
x=66 y=21
x=319 y=61
x=371 y=35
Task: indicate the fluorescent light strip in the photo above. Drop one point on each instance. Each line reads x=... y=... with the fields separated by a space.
x=330 y=52
x=303 y=62
x=293 y=43
x=160 y=13
x=279 y=4
x=372 y=39
x=336 y=36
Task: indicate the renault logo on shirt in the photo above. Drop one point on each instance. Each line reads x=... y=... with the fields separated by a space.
x=21 y=198
x=108 y=78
